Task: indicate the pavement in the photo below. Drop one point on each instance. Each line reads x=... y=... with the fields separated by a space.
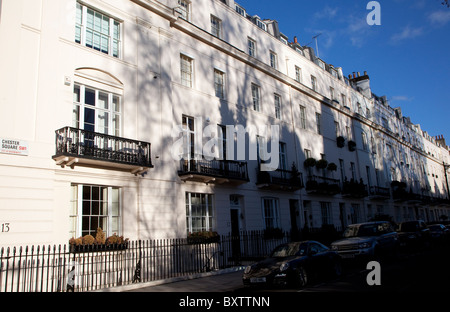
x=225 y=280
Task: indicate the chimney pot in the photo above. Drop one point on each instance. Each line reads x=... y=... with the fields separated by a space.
x=359 y=74
x=295 y=39
x=365 y=73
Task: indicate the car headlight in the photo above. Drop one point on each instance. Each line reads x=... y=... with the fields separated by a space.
x=284 y=266
x=365 y=245
x=248 y=269
x=334 y=247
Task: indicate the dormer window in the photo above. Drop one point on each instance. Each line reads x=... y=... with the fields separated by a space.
x=241 y=10
x=261 y=24
x=184 y=9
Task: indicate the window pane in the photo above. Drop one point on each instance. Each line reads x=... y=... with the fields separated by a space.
x=76 y=116
x=89 y=97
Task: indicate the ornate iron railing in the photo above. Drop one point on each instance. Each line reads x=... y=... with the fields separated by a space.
x=215 y=168
x=86 y=144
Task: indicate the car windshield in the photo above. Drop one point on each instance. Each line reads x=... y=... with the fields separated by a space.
x=360 y=230
x=288 y=250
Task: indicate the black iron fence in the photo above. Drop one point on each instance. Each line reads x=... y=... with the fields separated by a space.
x=85 y=268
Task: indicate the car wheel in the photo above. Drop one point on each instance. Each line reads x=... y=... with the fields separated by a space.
x=301 y=277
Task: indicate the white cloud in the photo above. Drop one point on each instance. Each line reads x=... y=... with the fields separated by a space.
x=439 y=18
x=327 y=12
x=407 y=33
x=401 y=98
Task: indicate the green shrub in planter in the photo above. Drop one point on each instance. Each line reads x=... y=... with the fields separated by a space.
x=309 y=162
x=332 y=166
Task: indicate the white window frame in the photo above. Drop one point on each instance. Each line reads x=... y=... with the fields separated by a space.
x=216 y=26
x=219 y=83
x=187 y=71
x=240 y=10
x=302 y=117
x=298 y=74
x=80 y=106
x=189 y=152
x=319 y=123
x=251 y=45
x=256 y=97
x=313 y=83
x=114 y=37
x=273 y=60
x=185 y=9
x=207 y=219
x=270 y=212
x=277 y=100
x=76 y=214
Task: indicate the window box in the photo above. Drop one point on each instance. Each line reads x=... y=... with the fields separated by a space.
x=204 y=237
x=88 y=243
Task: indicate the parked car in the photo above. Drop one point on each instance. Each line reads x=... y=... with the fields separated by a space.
x=293 y=264
x=413 y=235
x=367 y=240
x=439 y=233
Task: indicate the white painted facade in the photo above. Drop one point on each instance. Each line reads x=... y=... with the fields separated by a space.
x=47 y=73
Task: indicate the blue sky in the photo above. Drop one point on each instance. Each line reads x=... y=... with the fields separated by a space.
x=407 y=57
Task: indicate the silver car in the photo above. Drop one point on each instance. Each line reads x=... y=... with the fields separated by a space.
x=370 y=240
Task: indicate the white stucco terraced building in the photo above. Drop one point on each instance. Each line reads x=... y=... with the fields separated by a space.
x=94 y=95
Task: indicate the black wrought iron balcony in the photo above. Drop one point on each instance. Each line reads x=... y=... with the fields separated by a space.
x=279 y=179
x=213 y=171
x=322 y=186
x=380 y=193
x=80 y=147
x=354 y=189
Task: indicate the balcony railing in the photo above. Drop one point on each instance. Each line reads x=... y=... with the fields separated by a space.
x=77 y=146
x=279 y=179
x=378 y=192
x=213 y=171
x=322 y=185
x=354 y=189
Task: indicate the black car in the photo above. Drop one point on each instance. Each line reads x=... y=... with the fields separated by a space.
x=294 y=264
x=414 y=235
x=439 y=233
